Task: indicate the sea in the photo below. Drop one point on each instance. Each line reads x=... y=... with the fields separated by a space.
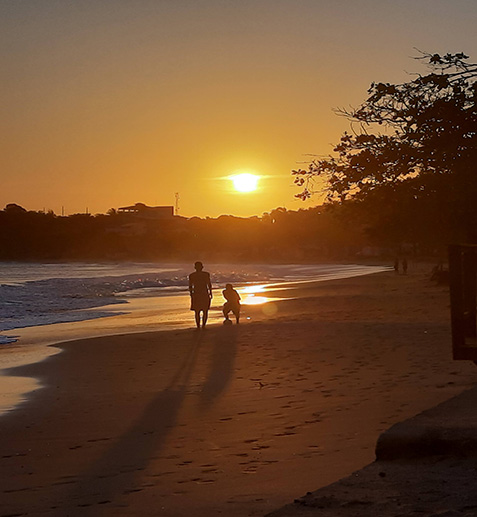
x=42 y=304
x=37 y=294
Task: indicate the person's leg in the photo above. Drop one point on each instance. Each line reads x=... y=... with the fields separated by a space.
x=197 y=319
x=237 y=315
x=226 y=310
x=205 y=315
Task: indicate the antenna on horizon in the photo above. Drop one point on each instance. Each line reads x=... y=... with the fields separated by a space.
x=177 y=202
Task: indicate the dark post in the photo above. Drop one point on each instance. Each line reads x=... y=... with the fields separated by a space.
x=463 y=295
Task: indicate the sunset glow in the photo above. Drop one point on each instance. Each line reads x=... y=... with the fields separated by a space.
x=138 y=101
x=245 y=182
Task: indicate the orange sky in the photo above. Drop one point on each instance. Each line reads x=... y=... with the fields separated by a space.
x=110 y=102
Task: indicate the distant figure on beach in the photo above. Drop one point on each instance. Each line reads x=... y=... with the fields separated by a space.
x=232 y=304
x=404 y=266
x=439 y=274
x=396 y=265
x=200 y=289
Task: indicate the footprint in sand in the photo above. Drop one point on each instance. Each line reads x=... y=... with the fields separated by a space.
x=160 y=474
x=64 y=482
x=132 y=490
x=208 y=470
x=24 y=489
x=105 y=476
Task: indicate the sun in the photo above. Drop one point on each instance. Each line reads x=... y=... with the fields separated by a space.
x=245 y=182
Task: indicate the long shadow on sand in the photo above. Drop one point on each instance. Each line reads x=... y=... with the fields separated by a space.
x=113 y=475
x=117 y=471
x=221 y=366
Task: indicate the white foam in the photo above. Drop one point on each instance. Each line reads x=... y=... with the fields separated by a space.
x=46 y=294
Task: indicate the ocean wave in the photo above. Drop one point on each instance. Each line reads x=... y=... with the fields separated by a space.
x=5 y=340
x=59 y=300
x=48 y=299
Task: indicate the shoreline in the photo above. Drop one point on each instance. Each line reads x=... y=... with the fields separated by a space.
x=237 y=420
x=74 y=295
x=130 y=314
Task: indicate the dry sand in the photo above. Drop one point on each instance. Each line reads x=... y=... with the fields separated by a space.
x=232 y=421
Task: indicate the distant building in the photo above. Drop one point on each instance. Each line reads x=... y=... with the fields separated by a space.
x=148 y=212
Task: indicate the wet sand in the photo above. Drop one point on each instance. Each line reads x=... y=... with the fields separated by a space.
x=144 y=311
x=233 y=420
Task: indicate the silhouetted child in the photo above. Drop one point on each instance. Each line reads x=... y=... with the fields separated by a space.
x=233 y=302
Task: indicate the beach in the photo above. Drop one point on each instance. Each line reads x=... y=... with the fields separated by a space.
x=232 y=420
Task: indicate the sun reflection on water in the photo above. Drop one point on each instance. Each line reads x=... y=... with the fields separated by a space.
x=249 y=294
x=252 y=289
x=251 y=299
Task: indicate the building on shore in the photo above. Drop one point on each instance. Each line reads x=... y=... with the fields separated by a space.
x=148 y=212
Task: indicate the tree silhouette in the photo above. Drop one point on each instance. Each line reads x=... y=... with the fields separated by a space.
x=280 y=236
x=415 y=148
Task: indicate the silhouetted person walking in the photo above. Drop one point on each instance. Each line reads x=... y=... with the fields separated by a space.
x=200 y=290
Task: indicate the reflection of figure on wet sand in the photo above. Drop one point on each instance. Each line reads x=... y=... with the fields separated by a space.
x=200 y=290
x=232 y=304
